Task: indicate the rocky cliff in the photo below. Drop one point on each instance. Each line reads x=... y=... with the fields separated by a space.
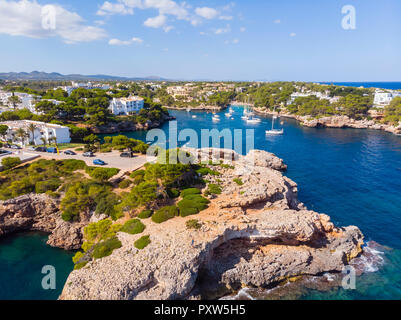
x=255 y=233
x=34 y=212
x=337 y=122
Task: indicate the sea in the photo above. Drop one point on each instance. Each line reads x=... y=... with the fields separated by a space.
x=353 y=175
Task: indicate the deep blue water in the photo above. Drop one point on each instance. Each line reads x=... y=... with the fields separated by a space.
x=383 y=85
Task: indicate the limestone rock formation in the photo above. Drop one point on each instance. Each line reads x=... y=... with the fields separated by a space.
x=39 y=212
x=256 y=233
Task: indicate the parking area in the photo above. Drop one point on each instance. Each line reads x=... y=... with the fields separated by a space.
x=112 y=159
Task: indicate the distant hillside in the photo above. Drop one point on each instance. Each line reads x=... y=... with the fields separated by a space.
x=37 y=75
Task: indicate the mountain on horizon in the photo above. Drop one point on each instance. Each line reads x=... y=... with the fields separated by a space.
x=55 y=76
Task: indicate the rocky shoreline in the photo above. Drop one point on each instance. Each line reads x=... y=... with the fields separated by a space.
x=39 y=212
x=335 y=122
x=199 y=108
x=255 y=234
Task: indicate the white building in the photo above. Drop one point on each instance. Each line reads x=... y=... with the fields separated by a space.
x=43 y=130
x=125 y=106
x=88 y=86
x=383 y=98
x=319 y=95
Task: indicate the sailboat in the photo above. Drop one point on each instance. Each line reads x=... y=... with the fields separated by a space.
x=216 y=118
x=274 y=131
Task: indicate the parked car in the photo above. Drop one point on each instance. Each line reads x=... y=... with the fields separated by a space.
x=14 y=146
x=99 y=162
x=40 y=149
x=127 y=155
x=88 y=154
x=70 y=153
x=31 y=148
x=51 y=150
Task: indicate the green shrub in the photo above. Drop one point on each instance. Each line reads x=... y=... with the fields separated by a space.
x=10 y=162
x=193 y=224
x=192 y=204
x=137 y=173
x=106 y=247
x=101 y=174
x=205 y=171
x=189 y=191
x=165 y=214
x=145 y=214
x=101 y=230
x=47 y=185
x=213 y=189
x=124 y=184
x=238 y=181
x=173 y=192
x=142 y=242
x=133 y=226
x=80 y=265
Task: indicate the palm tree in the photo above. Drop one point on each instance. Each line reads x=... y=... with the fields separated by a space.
x=54 y=140
x=44 y=140
x=14 y=100
x=21 y=134
x=32 y=128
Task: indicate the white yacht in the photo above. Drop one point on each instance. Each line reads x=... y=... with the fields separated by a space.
x=252 y=120
x=274 y=131
x=216 y=118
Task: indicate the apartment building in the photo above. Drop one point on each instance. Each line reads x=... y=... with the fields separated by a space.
x=126 y=106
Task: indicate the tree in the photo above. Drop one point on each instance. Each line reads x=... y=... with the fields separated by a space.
x=10 y=162
x=44 y=140
x=32 y=128
x=3 y=130
x=21 y=134
x=14 y=100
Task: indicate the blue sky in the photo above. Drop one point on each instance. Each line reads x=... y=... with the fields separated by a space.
x=204 y=39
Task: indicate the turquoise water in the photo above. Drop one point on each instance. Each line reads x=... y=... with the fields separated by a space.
x=352 y=175
x=22 y=257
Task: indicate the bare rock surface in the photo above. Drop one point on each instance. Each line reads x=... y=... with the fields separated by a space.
x=39 y=212
x=256 y=233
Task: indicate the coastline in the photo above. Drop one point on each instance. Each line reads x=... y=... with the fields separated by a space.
x=334 y=122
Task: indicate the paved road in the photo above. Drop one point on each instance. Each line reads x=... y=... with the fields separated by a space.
x=112 y=159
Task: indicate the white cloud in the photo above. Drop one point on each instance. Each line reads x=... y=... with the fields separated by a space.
x=277 y=21
x=206 y=12
x=235 y=41
x=109 y=8
x=242 y=29
x=156 y=22
x=30 y=19
x=117 y=42
x=227 y=29
x=226 y=18
x=293 y=34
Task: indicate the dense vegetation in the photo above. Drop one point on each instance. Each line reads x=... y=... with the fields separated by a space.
x=392 y=113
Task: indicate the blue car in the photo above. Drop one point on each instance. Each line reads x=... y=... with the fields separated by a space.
x=99 y=162
x=51 y=150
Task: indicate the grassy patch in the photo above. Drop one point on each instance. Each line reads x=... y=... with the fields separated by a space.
x=193 y=224
x=145 y=214
x=133 y=226
x=105 y=248
x=165 y=214
x=192 y=204
x=142 y=242
x=213 y=189
x=238 y=181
